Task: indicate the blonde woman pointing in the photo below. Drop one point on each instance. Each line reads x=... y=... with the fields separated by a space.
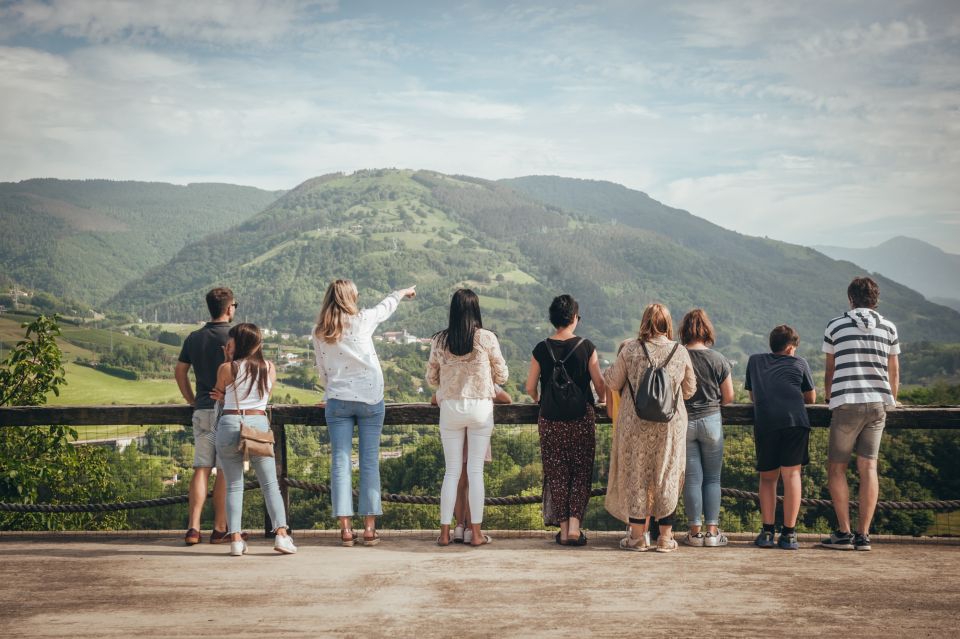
x=349 y=370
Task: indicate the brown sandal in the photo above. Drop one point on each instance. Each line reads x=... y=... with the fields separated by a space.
x=192 y=537
x=343 y=539
x=371 y=541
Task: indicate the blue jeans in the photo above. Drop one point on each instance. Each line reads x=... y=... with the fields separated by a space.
x=341 y=415
x=231 y=463
x=701 y=489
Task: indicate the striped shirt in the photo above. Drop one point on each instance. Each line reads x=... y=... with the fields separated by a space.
x=861 y=342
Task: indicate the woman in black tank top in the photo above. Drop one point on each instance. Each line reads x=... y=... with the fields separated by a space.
x=563 y=367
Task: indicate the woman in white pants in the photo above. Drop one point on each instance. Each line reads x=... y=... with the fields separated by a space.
x=465 y=363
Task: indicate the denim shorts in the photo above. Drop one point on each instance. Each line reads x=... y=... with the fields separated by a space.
x=205 y=438
x=856 y=428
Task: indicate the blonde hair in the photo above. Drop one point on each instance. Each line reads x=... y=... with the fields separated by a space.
x=656 y=321
x=339 y=303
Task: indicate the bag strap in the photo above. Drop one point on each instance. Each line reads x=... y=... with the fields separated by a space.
x=670 y=356
x=575 y=347
x=550 y=350
x=646 y=354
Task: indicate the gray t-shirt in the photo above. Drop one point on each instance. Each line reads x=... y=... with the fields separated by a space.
x=203 y=349
x=711 y=369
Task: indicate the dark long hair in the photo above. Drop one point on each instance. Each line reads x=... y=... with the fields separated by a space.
x=248 y=346
x=464 y=321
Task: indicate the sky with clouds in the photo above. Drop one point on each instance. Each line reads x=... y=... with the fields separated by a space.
x=814 y=122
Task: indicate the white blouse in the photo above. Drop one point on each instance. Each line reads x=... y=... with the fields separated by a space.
x=350 y=369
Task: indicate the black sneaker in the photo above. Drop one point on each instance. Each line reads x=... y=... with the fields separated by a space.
x=764 y=539
x=861 y=542
x=838 y=541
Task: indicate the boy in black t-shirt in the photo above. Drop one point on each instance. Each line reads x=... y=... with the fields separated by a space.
x=780 y=384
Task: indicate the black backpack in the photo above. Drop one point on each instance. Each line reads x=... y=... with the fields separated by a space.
x=655 y=399
x=560 y=397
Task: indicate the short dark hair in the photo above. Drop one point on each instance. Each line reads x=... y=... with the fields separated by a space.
x=563 y=310
x=863 y=292
x=218 y=300
x=783 y=336
x=697 y=327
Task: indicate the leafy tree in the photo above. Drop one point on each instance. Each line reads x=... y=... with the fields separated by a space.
x=39 y=464
x=169 y=337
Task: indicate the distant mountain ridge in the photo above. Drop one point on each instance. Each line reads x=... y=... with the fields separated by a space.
x=518 y=242
x=915 y=263
x=85 y=239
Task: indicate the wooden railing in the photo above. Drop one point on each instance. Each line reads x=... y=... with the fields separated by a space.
x=908 y=417
x=912 y=417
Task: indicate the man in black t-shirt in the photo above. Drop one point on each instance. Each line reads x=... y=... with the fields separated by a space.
x=780 y=384
x=204 y=351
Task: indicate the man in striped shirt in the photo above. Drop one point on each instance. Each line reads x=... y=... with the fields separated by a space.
x=862 y=378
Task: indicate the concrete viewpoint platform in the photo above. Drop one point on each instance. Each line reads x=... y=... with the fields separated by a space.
x=520 y=586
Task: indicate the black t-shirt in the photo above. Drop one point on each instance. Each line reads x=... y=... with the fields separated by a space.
x=711 y=369
x=577 y=366
x=778 y=383
x=203 y=349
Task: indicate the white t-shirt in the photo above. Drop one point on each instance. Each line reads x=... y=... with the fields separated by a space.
x=350 y=369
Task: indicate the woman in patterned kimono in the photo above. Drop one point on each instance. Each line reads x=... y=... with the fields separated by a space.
x=648 y=459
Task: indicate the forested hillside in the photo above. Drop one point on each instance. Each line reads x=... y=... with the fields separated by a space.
x=747 y=282
x=390 y=228
x=85 y=239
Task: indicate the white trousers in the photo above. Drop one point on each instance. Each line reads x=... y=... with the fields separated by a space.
x=470 y=419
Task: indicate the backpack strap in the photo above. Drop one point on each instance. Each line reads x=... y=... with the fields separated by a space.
x=567 y=356
x=550 y=350
x=575 y=347
x=670 y=356
x=646 y=354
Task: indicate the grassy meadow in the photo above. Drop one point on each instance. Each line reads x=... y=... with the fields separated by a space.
x=90 y=387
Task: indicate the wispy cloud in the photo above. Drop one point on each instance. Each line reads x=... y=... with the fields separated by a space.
x=770 y=117
x=207 y=22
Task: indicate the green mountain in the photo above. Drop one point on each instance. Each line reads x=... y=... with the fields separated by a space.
x=760 y=282
x=519 y=243
x=919 y=265
x=85 y=239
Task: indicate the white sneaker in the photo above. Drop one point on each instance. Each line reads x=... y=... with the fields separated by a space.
x=468 y=535
x=238 y=548
x=713 y=541
x=694 y=540
x=284 y=544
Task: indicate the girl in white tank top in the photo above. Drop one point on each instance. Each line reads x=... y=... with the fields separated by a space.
x=249 y=393
x=245 y=385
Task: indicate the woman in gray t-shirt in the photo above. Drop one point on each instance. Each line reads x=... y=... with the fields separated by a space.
x=701 y=488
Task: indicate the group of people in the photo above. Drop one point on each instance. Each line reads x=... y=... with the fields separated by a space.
x=664 y=397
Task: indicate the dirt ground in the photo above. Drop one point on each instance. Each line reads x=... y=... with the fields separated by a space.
x=517 y=587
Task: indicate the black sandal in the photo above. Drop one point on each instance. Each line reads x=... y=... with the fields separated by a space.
x=580 y=541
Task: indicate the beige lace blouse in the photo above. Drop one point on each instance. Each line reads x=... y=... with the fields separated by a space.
x=469 y=376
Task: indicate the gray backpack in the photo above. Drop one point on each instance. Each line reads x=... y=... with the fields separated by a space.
x=655 y=399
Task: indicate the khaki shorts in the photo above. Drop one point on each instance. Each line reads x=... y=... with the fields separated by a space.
x=205 y=438
x=856 y=428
